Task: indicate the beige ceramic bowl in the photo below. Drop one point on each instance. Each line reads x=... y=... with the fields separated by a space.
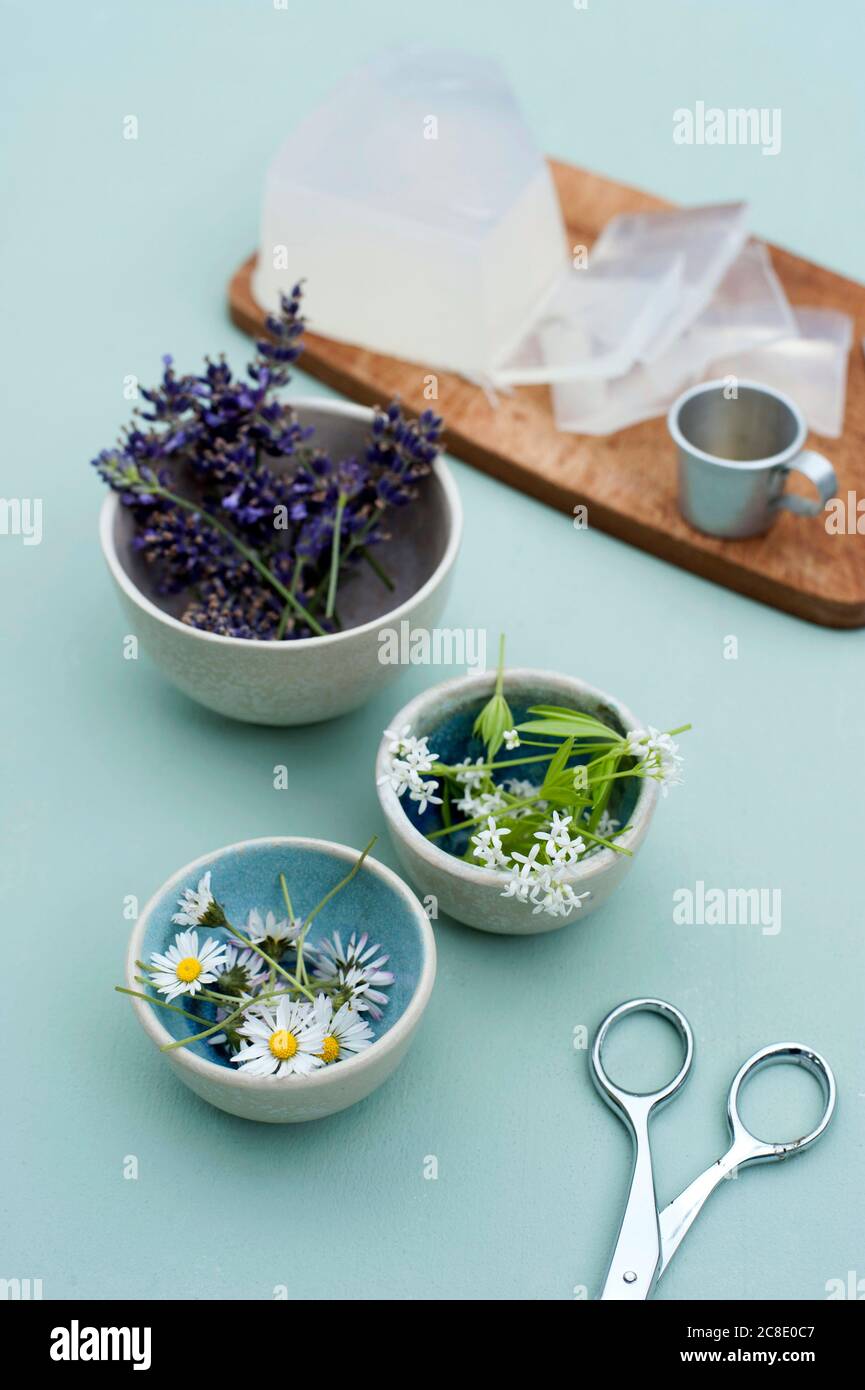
x=473 y=894
x=314 y=678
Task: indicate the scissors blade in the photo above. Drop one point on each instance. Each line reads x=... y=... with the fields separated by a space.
x=633 y=1270
x=677 y=1218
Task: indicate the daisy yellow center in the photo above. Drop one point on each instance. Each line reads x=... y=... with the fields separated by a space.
x=283 y=1044
x=330 y=1049
x=188 y=969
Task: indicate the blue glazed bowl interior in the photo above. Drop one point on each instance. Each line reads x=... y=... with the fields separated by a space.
x=245 y=878
x=451 y=739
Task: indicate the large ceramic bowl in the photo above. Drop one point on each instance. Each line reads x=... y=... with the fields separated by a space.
x=470 y=893
x=313 y=678
x=247 y=875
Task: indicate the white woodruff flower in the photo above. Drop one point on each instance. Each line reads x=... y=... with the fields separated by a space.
x=523 y=875
x=519 y=787
x=488 y=845
x=484 y=805
x=409 y=759
x=184 y=968
x=606 y=828
x=511 y=738
x=524 y=791
x=659 y=755
x=554 y=895
x=285 y=1041
x=607 y=825
x=422 y=793
x=345 y=1032
x=198 y=907
x=543 y=885
x=470 y=775
x=560 y=845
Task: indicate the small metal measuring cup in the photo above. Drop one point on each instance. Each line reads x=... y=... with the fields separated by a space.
x=737 y=441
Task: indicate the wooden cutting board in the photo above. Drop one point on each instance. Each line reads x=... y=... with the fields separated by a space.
x=628 y=480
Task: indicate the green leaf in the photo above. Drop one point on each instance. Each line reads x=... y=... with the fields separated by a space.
x=557 y=764
x=563 y=722
x=491 y=723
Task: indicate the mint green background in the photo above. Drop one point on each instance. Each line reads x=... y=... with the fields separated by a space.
x=114 y=252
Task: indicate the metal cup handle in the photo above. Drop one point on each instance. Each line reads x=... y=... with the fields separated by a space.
x=820 y=472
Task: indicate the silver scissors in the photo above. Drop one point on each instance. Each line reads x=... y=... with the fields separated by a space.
x=648 y=1239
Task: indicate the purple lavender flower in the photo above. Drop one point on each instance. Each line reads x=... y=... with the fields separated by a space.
x=219 y=473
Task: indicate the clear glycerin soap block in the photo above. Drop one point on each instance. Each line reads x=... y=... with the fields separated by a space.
x=811 y=367
x=419 y=212
x=597 y=322
x=748 y=309
x=708 y=238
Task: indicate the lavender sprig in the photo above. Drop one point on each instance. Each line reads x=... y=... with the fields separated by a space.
x=237 y=509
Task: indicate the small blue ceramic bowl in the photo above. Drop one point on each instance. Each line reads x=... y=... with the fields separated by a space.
x=246 y=875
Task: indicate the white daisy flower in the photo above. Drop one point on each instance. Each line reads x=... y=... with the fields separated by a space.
x=198 y=907
x=357 y=967
x=285 y=1041
x=224 y=1011
x=262 y=927
x=511 y=738
x=245 y=967
x=345 y=1032
x=488 y=845
x=183 y=969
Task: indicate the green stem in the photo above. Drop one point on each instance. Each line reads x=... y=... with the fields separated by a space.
x=600 y=803
x=300 y=965
x=378 y=569
x=248 y=555
x=334 y=556
x=160 y=1003
x=356 y=543
x=207 y=1032
x=274 y=965
x=599 y=840
x=287 y=897
x=342 y=883
x=476 y=820
x=286 y=612
x=452 y=769
x=224 y=1022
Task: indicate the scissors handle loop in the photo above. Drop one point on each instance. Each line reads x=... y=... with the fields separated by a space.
x=630 y=1104
x=761 y=1150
